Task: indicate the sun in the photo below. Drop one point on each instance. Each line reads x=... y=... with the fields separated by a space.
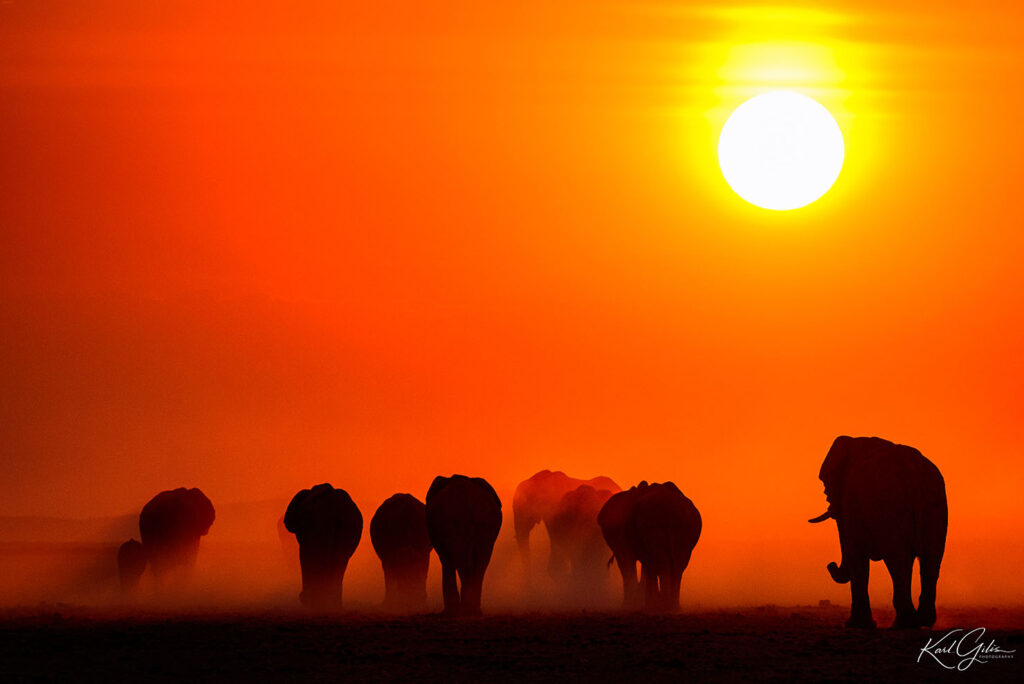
x=781 y=150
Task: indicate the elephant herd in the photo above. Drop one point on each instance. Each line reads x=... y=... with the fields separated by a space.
x=654 y=525
x=888 y=501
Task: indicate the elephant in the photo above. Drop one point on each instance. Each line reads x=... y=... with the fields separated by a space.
x=574 y=529
x=657 y=526
x=889 y=504
x=398 y=531
x=463 y=521
x=131 y=563
x=535 y=502
x=328 y=526
x=171 y=525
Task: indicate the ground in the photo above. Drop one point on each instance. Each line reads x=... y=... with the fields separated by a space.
x=767 y=644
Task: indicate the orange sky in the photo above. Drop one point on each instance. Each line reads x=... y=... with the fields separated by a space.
x=255 y=248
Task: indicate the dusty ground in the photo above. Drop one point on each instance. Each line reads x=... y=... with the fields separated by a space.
x=766 y=644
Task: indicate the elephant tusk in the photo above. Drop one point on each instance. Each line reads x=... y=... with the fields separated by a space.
x=821 y=518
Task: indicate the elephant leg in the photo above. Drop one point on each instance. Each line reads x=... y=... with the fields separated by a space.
x=472 y=588
x=338 y=585
x=630 y=590
x=419 y=595
x=322 y=571
x=523 y=529
x=652 y=597
x=450 y=589
x=929 y=580
x=670 y=590
x=413 y=586
x=558 y=564
x=640 y=589
x=860 y=608
x=900 y=570
x=391 y=585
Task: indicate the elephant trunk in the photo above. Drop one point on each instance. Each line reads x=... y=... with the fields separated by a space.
x=840 y=573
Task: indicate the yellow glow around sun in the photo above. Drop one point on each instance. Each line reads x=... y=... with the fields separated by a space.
x=755 y=50
x=780 y=150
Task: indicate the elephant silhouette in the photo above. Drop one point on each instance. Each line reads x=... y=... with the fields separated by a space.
x=131 y=564
x=171 y=525
x=463 y=521
x=657 y=526
x=398 y=531
x=328 y=526
x=889 y=504
x=535 y=501
x=574 y=529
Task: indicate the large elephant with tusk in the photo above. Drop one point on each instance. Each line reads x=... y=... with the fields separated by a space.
x=889 y=504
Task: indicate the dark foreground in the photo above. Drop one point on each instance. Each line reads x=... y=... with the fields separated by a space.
x=762 y=644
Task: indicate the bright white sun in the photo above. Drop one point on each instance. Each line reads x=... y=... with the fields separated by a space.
x=780 y=150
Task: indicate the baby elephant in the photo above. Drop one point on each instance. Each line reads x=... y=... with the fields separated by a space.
x=328 y=527
x=131 y=563
x=398 y=531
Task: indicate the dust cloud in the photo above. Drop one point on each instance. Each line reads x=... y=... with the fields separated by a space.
x=248 y=562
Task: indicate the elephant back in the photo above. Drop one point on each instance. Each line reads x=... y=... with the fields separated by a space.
x=855 y=466
x=664 y=525
x=462 y=512
x=602 y=482
x=575 y=519
x=399 y=527
x=176 y=515
x=325 y=515
x=582 y=504
x=665 y=506
x=541 y=491
x=464 y=485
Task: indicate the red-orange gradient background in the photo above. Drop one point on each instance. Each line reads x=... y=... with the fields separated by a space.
x=257 y=247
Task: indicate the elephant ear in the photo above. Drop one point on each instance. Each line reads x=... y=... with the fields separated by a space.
x=833 y=469
x=346 y=506
x=484 y=484
x=293 y=513
x=439 y=483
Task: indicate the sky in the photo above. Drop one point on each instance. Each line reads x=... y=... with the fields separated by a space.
x=258 y=246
